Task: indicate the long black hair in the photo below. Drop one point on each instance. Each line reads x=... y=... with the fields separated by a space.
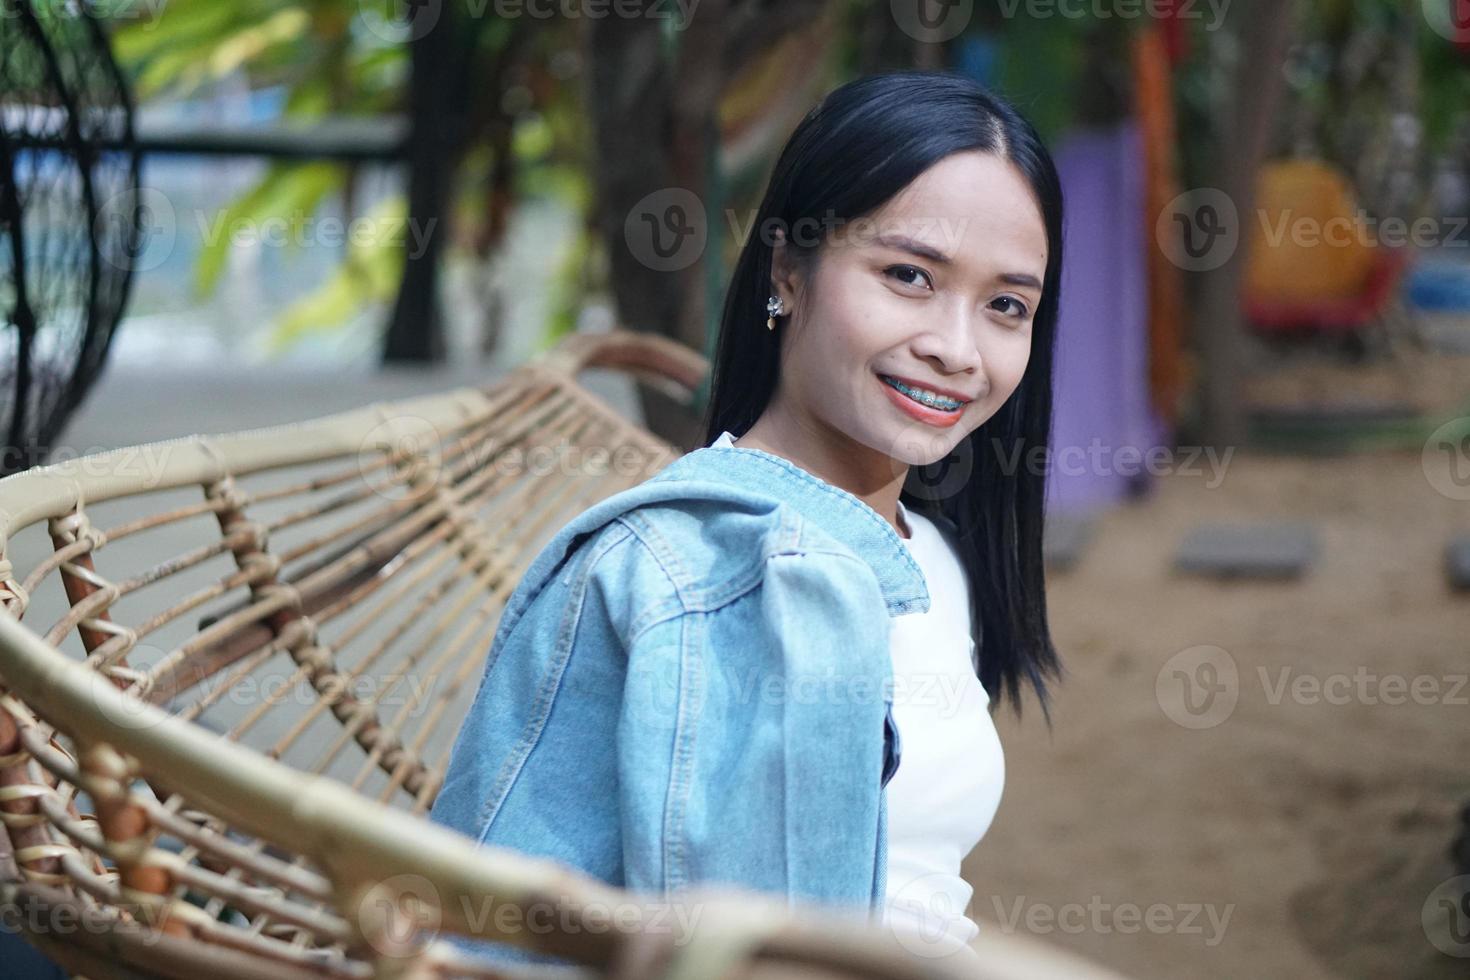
x=862 y=144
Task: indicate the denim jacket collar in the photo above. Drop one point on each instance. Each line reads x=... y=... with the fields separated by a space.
x=837 y=512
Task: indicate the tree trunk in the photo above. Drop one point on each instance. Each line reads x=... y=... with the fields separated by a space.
x=439 y=60
x=1263 y=32
x=655 y=129
x=649 y=139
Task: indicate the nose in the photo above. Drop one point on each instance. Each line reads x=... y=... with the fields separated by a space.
x=949 y=346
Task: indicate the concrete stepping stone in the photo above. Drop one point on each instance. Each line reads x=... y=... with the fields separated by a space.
x=1457 y=562
x=1283 y=549
x=1065 y=538
x=1445 y=333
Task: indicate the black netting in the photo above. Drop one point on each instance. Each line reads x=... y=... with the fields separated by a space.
x=69 y=216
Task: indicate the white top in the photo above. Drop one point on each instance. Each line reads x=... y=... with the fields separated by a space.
x=951 y=769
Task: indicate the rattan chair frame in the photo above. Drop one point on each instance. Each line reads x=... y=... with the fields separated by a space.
x=185 y=847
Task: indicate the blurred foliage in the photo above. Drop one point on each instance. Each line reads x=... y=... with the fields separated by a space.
x=1347 y=40
x=1042 y=64
x=552 y=151
x=372 y=268
x=1360 y=66
x=344 y=57
x=288 y=191
x=319 y=51
x=348 y=58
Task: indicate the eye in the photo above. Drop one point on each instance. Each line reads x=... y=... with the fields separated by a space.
x=907 y=269
x=1022 y=310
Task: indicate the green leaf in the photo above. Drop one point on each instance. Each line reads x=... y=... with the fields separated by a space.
x=288 y=190
x=245 y=45
x=329 y=304
x=186 y=24
x=369 y=275
x=567 y=293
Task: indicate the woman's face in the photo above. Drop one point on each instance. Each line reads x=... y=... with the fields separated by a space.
x=937 y=290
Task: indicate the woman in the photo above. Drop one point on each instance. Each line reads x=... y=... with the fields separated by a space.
x=763 y=666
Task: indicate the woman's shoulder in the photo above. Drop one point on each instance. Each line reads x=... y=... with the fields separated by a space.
x=714 y=550
x=708 y=525
x=745 y=580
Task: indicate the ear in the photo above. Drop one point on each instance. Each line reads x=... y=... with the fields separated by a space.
x=785 y=276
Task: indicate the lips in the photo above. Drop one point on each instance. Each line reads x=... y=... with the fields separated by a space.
x=930 y=416
x=958 y=396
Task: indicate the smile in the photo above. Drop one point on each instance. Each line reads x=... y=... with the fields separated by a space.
x=937 y=402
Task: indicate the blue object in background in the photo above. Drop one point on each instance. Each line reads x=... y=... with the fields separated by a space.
x=22 y=961
x=978 y=56
x=1439 y=285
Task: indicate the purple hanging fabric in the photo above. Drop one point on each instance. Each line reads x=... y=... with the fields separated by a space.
x=1101 y=372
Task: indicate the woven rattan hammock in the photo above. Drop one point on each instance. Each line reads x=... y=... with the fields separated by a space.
x=232 y=666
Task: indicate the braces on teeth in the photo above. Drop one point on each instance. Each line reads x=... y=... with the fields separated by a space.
x=933 y=401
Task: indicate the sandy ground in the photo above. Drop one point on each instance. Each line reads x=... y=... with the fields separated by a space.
x=1301 y=833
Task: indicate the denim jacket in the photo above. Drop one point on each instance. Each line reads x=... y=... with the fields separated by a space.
x=691 y=685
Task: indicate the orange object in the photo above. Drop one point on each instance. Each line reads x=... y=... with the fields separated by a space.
x=1153 y=89
x=1309 y=240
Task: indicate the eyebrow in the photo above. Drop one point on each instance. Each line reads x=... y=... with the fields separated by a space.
x=915 y=247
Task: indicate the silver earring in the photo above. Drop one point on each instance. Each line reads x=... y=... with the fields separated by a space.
x=774 y=308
